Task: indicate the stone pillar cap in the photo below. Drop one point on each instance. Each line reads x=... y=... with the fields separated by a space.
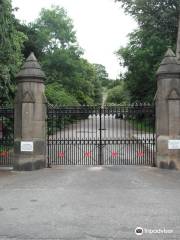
x=169 y=64
x=31 y=70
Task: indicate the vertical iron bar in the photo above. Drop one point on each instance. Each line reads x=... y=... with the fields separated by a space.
x=100 y=136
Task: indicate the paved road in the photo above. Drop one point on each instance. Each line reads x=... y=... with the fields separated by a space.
x=83 y=203
x=112 y=128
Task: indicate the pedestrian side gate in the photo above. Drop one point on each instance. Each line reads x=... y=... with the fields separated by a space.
x=6 y=136
x=95 y=135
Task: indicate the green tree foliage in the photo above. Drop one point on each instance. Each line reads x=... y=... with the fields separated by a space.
x=114 y=83
x=58 y=96
x=157 y=22
x=102 y=74
x=31 y=44
x=11 y=42
x=118 y=94
x=71 y=80
x=53 y=39
x=55 y=29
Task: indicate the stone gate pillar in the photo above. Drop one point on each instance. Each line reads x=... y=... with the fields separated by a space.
x=168 y=112
x=30 y=117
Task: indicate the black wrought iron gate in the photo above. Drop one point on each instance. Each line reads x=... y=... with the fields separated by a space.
x=95 y=135
x=6 y=136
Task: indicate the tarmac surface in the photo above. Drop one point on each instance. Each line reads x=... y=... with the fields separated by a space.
x=88 y=203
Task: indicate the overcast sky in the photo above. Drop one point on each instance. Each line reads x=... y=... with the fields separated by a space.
x=101 y=26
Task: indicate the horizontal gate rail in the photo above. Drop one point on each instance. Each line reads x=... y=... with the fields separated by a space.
x=93 y=135
x=104 y=142
x=6 y=136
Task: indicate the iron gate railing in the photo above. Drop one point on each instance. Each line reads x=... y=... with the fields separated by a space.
x=6 y=136
x=95 y=135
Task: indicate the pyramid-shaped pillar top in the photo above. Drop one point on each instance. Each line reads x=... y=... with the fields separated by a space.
x=169 y=64
x=31 y=71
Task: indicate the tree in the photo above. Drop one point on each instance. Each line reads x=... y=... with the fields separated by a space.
x=157 y=30
x=53 y=39
x=31 y=44
x=55 y=29
x=58 y=96
x=118 y=95
x=74 y=74
x=11 y=42
x=156 y=15
x=61 y=58
x=102 y=74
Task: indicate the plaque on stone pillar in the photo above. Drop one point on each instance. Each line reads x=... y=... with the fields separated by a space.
x=27 y=146
x=174 y=144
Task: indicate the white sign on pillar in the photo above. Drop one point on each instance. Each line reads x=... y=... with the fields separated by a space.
x=27 y=146
x=174 y=144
